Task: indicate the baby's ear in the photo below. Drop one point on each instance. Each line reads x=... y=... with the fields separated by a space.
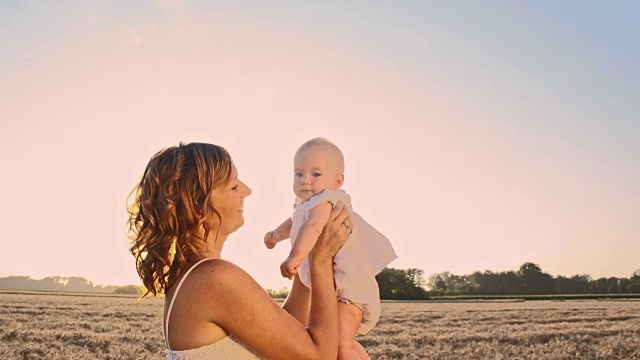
x=339 y=179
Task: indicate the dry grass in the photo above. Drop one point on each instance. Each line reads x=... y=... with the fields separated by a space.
x=582 y=329
x=45 y=326
x=79 y=327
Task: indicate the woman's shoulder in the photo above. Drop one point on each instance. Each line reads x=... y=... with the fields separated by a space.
x=216 y=277
x=218 y=284
x=216 y=272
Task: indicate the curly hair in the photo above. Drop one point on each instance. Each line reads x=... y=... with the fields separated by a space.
x=171 y=212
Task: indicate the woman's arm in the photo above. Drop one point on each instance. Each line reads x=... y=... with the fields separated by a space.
x=240 y=305
x=297 y=303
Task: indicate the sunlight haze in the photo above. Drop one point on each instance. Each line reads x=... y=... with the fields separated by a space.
x=476 y=135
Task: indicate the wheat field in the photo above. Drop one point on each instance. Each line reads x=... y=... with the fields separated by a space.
x=82 y=326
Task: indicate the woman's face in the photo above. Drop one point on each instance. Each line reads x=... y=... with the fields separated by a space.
x=229 y=201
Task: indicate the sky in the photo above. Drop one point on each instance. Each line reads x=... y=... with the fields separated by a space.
x=478 y=135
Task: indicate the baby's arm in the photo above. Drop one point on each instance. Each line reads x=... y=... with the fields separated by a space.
x=280 y=233
x=306 y=239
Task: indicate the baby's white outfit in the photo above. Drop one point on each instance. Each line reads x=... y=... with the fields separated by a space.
x=360 y=259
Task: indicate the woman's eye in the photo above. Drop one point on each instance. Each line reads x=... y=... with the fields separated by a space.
x=235 y=187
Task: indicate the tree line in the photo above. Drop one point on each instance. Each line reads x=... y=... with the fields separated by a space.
x=403 y=284
x=529 y=279
x=409 y=284
x=66 y=284
x=54 y=283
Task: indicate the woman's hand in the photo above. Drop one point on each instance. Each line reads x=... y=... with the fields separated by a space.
x=335 y=232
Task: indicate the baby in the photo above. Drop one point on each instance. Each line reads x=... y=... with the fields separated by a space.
x=317 y=177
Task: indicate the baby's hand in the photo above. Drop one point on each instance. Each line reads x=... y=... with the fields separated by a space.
x=271 y=239
x=289 y=267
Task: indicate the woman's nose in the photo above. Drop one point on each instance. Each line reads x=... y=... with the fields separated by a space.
x=247 y=190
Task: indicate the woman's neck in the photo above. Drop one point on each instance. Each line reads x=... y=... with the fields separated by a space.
x=214 y=246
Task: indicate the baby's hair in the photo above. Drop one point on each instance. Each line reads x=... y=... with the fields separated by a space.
x=326 y=143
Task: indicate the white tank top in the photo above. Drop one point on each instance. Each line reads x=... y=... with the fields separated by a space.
x=225 y=348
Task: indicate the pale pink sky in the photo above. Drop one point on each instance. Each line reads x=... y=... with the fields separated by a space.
x=467 y=149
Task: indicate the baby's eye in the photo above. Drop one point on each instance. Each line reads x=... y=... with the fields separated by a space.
x=298 y=174
x=316 y=174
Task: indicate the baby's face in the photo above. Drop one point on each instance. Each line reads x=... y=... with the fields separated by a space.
x=315 y=169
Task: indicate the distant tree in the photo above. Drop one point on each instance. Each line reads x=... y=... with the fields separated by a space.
x=278 y=294
x=534 y=281
x=611 y=285
x=633 y=286
x=577 y=284
x=78 y=284
x=484 y=282
x=460 y=285
x=129 y=289
x=398 y=284
x=508 y=283
x=18 y=283
x=415 y=277
x=624 y=286
x=390 y=281
x=447 y=283
x=437 y=283
x=563 y=285
x=599 y=286
x=52 y=283
x=581 y=283
x=616 y=286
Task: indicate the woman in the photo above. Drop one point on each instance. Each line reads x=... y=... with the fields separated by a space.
x=187 y=203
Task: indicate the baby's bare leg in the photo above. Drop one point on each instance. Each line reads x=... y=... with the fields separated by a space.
x=360 y=351
x=350 y=317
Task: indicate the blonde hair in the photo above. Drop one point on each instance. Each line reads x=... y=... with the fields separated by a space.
x=171 y=206
x=325 y=143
